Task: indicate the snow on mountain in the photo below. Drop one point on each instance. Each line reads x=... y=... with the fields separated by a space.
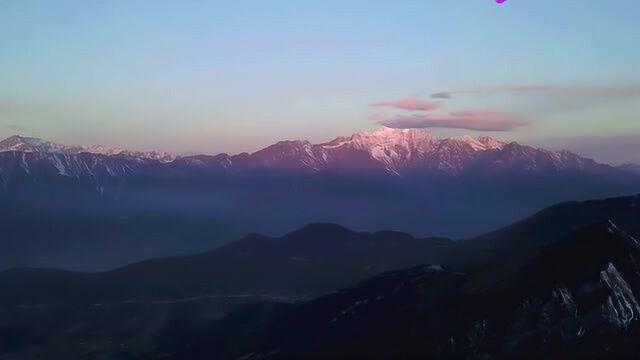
x=393 y=147
x=400 y=149
x=387 y=150
x=483 y=143
x=78 y=165
x=417 y=150
x=289 y=154
x=103 y=150
x=30 y=144
x=113 y=151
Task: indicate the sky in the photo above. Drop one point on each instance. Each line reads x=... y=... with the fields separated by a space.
x=200 y=76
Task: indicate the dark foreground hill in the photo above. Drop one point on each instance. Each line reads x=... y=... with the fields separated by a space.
x=56 y=314
x=577 y=299
x=541 y=287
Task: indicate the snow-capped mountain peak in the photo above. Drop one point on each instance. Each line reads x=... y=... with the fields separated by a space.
x=415 y=139
x=483 y=143
x=112 y=151
x=27 y=144
x=401 y=148
x=103 y=150
x=31 y=144
x=389 y=136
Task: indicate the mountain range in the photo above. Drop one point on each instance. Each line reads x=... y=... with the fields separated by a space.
x=27 y=144
x=385 y=150
x=386 y=179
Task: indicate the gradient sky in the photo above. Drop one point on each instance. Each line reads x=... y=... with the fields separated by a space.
x=228 y=76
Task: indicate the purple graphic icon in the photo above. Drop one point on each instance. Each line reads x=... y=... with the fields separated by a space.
x=500 y=1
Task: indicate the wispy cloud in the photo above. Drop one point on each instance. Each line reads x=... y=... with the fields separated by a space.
x=409 y=103
x=600 y=90
x=554 y=98
x=607 y=91
x=441 y=95
x=477 y=120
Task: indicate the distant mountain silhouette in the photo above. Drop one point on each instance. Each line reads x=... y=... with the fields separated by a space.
x=316 y=259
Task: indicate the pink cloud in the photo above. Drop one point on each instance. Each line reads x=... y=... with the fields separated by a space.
x=477 y=120
x=409 y=103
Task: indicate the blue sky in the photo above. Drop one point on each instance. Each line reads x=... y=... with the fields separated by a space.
x=212 y=76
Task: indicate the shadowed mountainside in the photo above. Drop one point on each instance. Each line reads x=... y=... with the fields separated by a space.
x=576 y=299
x=543 y=286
